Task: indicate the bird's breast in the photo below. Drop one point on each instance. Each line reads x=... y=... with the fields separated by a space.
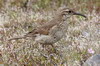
x=44 y=39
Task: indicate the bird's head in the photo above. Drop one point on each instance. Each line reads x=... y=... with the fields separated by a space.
x=66 y=12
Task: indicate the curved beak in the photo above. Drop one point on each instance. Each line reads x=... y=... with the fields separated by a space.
x=79 y=14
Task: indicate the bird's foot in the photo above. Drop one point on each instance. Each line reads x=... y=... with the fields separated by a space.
x=50 y=48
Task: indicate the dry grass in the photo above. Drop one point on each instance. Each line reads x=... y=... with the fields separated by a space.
x=72 y=50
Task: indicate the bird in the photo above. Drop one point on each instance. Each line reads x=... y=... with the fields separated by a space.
x=53 y=30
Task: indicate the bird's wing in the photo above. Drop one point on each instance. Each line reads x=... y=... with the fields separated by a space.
x=53 y=30
x=37 y=31
x=43 y=29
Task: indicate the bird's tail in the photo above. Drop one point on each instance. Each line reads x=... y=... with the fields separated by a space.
x=16 y=38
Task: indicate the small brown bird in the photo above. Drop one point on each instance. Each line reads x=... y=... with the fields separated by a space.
x=51 y=31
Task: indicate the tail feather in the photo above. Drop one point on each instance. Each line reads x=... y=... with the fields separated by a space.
x=16 y=38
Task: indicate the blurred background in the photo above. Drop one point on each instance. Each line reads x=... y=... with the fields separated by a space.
x=18 y=17
x=83 y=5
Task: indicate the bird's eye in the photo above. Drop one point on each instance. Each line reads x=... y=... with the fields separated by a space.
x=69 y=11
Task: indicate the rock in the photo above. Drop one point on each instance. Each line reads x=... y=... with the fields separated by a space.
x=93 y=61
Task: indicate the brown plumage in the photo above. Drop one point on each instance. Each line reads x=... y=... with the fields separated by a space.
x=44 y=29
x=61 y=15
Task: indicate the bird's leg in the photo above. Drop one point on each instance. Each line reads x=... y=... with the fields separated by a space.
x=43 y=45
x=52 y=45
x=54 y=49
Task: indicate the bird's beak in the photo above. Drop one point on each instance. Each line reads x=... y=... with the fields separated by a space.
x=79 y=14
